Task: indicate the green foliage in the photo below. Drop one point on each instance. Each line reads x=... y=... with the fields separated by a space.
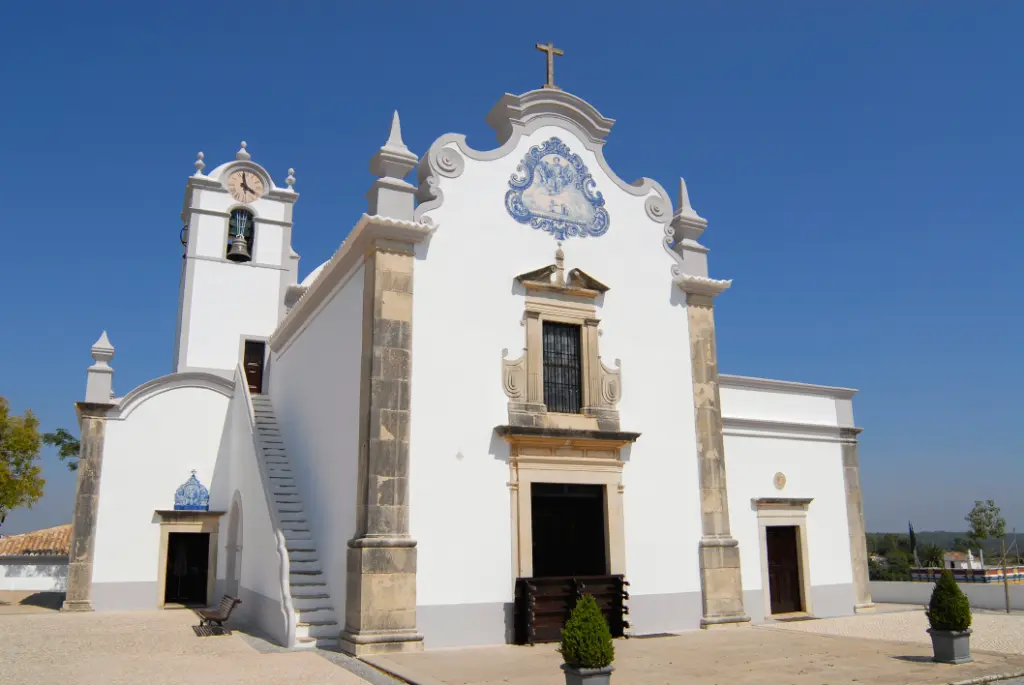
x=21 y=484
x=932 y=556
x=985 y=521
x=586 y=640
x=68 y=446
x=948 y=608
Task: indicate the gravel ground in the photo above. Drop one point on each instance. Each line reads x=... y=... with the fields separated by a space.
x=996 y=632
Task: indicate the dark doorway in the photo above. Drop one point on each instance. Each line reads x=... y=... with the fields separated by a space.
x=252 y=361
x=568 y=530
x=784 y=569
x=188 y=556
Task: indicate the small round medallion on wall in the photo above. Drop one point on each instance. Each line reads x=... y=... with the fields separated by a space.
x=780 y=480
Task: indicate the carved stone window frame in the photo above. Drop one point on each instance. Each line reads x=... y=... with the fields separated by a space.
x=172 y=521
x=784 y=511
x=550 y=296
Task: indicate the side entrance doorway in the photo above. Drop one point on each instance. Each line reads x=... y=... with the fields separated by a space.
x=188 y=563
x=784 y=569
x=568 y=530
x=253 y=356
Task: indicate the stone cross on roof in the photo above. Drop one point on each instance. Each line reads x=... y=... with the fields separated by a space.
x=552 y=53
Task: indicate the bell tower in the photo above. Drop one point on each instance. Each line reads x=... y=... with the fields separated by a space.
x=237 y=264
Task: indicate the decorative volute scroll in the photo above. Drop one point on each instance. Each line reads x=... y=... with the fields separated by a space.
x=552 y=294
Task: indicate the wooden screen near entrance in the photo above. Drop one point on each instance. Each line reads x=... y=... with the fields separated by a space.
x=783 y=569
x=542 y=605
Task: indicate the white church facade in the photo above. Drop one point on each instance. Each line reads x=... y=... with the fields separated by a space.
x=424 y=443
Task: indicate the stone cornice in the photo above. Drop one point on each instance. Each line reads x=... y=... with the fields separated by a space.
x=352 y=252
x=753 y=383
x=566 y=436
x=800 y=503
x=786 y=430
x=698 y=285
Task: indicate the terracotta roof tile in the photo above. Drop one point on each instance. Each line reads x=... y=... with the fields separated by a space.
x=48 y=541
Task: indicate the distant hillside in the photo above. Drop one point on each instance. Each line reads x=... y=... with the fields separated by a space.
x=941 y=538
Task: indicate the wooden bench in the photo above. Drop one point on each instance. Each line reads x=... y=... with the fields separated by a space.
x=220 y=614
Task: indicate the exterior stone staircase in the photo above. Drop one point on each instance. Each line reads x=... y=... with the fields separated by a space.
x=316 y=624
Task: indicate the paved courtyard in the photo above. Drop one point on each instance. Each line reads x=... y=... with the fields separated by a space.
x=835 y=651
x=160 y=648
x=151 y=647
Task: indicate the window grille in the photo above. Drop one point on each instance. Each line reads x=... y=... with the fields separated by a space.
x=563 y=377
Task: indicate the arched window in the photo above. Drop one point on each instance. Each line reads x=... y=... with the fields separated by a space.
x=241 y=230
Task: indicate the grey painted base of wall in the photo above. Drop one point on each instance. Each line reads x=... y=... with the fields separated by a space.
x=826 y=601
x=981 y=595
x=465 y=625
x=833 y=600
x=260 y=613
x=125 y=596
x=658 y=614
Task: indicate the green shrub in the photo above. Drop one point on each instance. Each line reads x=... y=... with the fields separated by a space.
x=586 y=640
x=949 y=608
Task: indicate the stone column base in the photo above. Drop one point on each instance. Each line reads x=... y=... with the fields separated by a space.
x=717 y=622
x=77 y=605
x=721 y=583
x=390 y=642
x=380 y=606
x=864 y=608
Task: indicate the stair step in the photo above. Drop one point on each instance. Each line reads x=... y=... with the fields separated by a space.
x=311 y=582
x=305 y=567
x=297 y=535
x=329 y=631
x=298 y=544
x=312 y=593
x=321 y=616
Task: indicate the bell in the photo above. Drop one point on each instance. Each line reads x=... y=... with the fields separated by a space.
x=239 y=251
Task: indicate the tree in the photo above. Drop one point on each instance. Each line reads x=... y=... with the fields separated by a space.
x=932 y=556
x=985 y=522
x=21 y=482
x=68 y=446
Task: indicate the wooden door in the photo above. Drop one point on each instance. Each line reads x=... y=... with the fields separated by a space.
x=784 y=569
x=252 y=362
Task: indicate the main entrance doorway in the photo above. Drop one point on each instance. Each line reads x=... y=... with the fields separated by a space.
x=188 y=557
x=568 y=530
x=784 y=569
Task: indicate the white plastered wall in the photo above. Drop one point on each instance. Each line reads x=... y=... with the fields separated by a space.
x=314 y=386
x=146 y=456
x=238 y=475
x=465 y=311
x=810 y=459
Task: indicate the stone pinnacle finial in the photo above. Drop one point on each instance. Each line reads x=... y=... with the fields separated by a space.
x=559 y=265
x=395 y=136
x=199 y=164
x=242 y=153
x=100 y=376
x=102 y=351
x=291 y=179
x=683 y=203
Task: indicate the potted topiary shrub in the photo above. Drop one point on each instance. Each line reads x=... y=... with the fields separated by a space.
x=586 y=645
x=949 y=614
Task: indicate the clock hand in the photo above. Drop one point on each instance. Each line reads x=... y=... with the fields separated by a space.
x=245 y=186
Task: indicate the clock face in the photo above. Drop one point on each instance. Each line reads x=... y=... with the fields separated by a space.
x=245 y=186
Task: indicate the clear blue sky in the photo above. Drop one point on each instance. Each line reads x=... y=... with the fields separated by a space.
x=859 y=163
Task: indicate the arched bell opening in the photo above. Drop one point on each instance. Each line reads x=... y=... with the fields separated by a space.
x=241 y=232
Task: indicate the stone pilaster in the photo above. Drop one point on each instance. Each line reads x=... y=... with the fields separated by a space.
x=92 y=421
x=855 y=519
x=380 y=609
x=721 y=582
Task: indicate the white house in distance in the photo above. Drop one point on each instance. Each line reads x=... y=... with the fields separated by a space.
x=502 y=389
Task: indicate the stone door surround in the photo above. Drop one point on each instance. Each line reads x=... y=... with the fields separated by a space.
x=784 y=511
x=187 y=522
x=570 y=457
